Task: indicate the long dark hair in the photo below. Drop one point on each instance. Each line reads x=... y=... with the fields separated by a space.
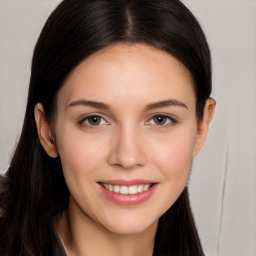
x=37 y=191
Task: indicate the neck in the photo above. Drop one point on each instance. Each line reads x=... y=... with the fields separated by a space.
x=83 y=236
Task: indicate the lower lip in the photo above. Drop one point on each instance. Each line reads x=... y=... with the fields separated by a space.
x=128 y=199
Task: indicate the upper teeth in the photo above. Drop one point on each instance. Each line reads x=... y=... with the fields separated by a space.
x=132 y=190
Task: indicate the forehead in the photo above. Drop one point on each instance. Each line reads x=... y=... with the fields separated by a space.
x=134 y=72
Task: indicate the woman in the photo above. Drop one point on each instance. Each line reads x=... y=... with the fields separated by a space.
x=119 y=104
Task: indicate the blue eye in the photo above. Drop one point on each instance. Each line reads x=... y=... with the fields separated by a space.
x=161 y=120
x=94 y=120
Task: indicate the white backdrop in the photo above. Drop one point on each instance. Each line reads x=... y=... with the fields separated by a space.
x=223 y=183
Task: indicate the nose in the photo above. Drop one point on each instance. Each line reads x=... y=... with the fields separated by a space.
x=127 y=149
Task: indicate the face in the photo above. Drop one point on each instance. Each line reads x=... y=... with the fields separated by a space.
x=126 y=121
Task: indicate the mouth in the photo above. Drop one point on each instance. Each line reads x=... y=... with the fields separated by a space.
x=127 y=190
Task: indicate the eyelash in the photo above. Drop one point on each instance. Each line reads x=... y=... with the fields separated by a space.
x=84 y=121
x=170 y=120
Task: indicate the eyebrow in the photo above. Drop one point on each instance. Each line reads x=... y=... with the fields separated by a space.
x=89 y=103
x=101 y=105
x=166 y=103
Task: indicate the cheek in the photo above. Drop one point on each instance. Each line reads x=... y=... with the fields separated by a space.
x=176 y=162
x=174 y=157
x=79 y=154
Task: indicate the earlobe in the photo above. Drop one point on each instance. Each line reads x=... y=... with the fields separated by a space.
x=44 y=131
x=203 y=125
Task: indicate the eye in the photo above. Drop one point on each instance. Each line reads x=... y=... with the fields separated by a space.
x=161 y=120
x=93 y=120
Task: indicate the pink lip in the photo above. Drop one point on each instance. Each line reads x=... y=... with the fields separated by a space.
x=128 y=200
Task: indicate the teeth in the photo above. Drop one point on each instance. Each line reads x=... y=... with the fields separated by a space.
x=146 y=187
x=125 y=190
x=133 y=190
x=106 y=186
x=140 y=188
x=116 y=189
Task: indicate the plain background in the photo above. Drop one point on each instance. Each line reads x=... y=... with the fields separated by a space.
x=223 y=182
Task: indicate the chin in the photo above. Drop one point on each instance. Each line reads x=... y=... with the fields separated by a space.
x=131 y=227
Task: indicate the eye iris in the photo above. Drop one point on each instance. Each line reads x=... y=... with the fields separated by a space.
x=94 y=120
x=160 y=120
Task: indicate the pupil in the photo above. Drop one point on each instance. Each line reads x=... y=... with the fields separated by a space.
x=94 y=120
x=160 y=120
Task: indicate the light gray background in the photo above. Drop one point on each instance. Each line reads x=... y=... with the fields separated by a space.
x=223 y=183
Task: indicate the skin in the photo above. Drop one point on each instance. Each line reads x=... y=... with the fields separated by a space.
x=127 y=143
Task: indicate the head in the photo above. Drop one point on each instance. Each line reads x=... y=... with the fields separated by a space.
x=127 y=55
x=136 y=58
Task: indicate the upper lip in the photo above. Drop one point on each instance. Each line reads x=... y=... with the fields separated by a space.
x=127 y=182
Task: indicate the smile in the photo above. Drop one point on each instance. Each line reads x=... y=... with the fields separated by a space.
x=127 y=190
x=127 y=193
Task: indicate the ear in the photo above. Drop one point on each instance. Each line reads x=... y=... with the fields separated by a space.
x=203 y=125
x=44 y=131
